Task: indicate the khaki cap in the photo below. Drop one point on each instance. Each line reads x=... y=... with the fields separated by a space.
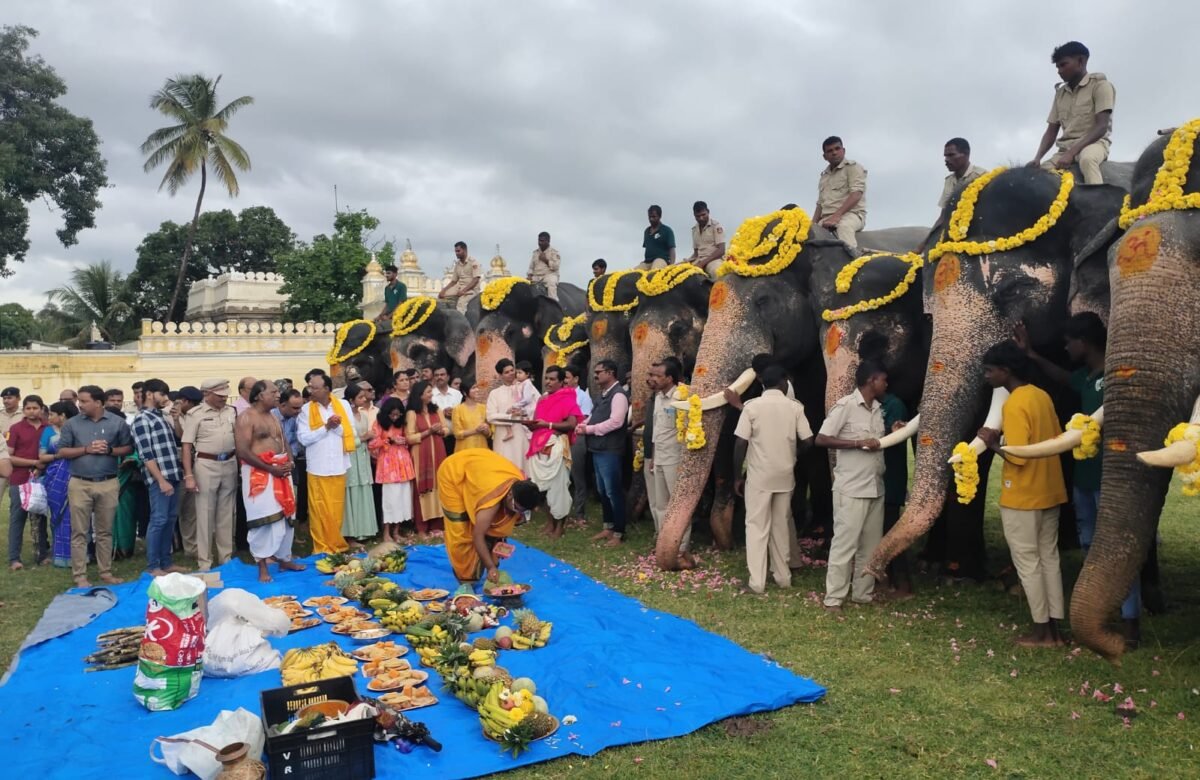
x=217 y=386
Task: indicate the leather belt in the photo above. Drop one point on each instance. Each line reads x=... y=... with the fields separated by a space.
x=95 y=479
x=224 y=456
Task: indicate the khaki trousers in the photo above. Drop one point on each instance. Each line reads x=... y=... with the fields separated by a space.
x=187 y=521
x=216 y=508
x=651 y=265
x=857 y=529
x=1032 y=536
x=847 y=229
x=659 y=486
x=550 y=282
x=768 y=526
x=1089 y=160
x=92 y=501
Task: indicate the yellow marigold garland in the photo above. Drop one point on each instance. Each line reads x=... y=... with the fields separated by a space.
x=966 y=473
x=610 y=293
x=639 y=454
x=749 y=243
x=555 y=337
x=412 y=314
x=695 y=430
x=846 y=275
x=1167 y=192
x=342 y=332
x=681 y=394
x=1089 y=447
x=964 y=212
x=497 y=290
x=1190 y=472
x=666 y=279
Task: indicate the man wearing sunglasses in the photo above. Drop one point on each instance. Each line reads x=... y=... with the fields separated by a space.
x=605 y=431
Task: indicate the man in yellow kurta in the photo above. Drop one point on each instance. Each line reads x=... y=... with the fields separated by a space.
x=483 y=495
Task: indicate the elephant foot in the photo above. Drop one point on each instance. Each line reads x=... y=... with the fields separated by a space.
x=686 y=561
x=880 y=575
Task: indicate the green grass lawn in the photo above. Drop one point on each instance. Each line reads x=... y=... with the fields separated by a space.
x=932 y=687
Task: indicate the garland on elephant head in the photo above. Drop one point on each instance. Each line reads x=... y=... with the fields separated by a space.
x=666 y=279
x=412 y=314
x=846 y=276
x=1167 y=192
x=497 y=290
x=555 y=339
x=334 y=357
x=609 y=293
x=751 y=242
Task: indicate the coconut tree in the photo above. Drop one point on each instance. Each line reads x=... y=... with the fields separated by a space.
x=96 y=294
x=196 y=141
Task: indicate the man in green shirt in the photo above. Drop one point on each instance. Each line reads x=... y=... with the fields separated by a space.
x=659 y=242
x=394 y=294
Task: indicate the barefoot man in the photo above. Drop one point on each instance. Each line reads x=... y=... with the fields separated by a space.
x=266 y=481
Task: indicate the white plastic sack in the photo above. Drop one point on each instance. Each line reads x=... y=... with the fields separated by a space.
x=33 y=498
x=238 y=623
x=181 y=753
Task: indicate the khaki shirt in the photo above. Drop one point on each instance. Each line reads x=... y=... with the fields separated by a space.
x=539 y=269
x=704 y=242
x=668 y=449
x=773 y=424
x=837 y=184
x=856 y=473
x=954 y=183
x=209 y=430
x=7 y=420
x=462 y=274
x=1074 y=110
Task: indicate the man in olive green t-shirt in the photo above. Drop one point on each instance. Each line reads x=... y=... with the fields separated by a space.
x=659 y=242
x=394 y=293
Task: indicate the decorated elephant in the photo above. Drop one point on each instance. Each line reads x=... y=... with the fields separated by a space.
x=360 y=352
x=611 y=300
x=514 y=319
x=1018 y=247
x=1151 y=381
x=764 y=303
x=425 y=335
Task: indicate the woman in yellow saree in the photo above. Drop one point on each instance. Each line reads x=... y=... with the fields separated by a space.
x=483 y=495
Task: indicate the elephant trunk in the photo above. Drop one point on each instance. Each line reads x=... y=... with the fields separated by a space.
x=841 y=361
x=1149 y=385
x=650 y=344
x=965 y=325
x=490 y=348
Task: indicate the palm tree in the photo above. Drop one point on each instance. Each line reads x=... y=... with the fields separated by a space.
x=96 y=294
x=197 y=140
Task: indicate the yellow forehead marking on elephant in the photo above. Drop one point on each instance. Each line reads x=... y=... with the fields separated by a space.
x=639 y=333
x=1124 y=372
x=833 y=339
x=947 y=272
x=551 y=357
x=1138 y=250
x=716 y=298
x=599 y=328
x=335 y=369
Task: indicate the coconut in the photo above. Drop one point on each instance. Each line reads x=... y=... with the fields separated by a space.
x=540 y=705
x=503 y=631
x=474 y=622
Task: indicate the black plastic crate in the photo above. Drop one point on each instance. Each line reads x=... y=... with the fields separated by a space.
x=345 y=751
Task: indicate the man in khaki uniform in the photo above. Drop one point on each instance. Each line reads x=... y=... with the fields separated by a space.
x=957 y=154
x=854 y=427
x=1082 y=110
x=661 y=446
x=464 y=279
x=10 y=412
x=544 y=265
x=210 y=471
x=708 y=241
x=770 y=433
x=841 y=194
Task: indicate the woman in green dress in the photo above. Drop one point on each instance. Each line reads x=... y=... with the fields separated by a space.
x=359 y=521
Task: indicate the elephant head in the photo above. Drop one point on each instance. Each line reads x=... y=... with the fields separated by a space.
x=567 y=342
x=977 y=294
x=425 y=334
x=360 y=353
x=1151 y=382
x=513 y=324
x=611 y=299
x=669 y=320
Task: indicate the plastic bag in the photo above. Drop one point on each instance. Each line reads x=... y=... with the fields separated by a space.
x=33 y=498
x=169 y=661
x=235 y=644
x=182 y=754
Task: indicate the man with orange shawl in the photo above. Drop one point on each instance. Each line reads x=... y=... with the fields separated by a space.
x=325 y=428
x=483 y=495
x=552 y=434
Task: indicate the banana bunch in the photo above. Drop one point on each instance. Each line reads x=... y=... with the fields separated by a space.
x=479 y=657
x=419 y=635
x=512 y=718
x=428 y=655
x=530 y=632
x=394 y=562
x=321 y=662
x=397 y=616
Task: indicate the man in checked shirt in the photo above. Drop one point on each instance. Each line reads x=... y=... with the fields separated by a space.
x=154 y=440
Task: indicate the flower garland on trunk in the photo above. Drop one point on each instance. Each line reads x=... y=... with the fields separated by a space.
x=1189 y=472
x=1167 y=191
x=966 y=472
x=695 y=430
x=1089 y=445
x=681 y=394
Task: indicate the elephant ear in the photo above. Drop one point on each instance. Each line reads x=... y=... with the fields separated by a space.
x=1094 y=231
x=458 y=338
x=547 y=314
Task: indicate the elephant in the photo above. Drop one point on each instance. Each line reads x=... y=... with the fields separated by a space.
x=370 y=361
x=611 y=300
x=775 y=313
x=516 y=327
x=977 y=299
x=1151 y=382
x=443 y=338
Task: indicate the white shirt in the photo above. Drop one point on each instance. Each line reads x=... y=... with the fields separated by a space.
x=584 y=399
x=323 y=448
x=445 y=402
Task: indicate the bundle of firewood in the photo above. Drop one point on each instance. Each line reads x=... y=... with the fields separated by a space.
x=118 y=649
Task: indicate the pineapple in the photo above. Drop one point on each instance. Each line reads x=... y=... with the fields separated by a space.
x=483 y=643
x=527 y=623
x=541 y=724
x=516 y=739
x=455 y=625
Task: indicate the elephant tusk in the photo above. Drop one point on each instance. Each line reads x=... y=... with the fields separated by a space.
x=994 y=420
x=904 y=434
x=1178 y=454
x=1063 y=442
x=717 y=400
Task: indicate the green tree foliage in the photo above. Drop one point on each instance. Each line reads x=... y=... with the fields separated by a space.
x=196 y=141
x=46 y=152
x=250 y=241
x=17 y=326
x=96 y=294
x=323 y=280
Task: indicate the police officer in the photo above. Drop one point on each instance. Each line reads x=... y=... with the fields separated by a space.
x=210 y=471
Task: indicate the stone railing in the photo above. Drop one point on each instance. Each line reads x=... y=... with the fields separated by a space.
x=236 y=336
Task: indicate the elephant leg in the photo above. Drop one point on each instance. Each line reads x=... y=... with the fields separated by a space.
x=1153 y=599
x=636 y=498
x=965 y=551
x=721 y=519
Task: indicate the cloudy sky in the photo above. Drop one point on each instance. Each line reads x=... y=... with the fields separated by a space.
x=489 y=121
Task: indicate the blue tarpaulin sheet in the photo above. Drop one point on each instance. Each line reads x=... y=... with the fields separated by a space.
x=626 y=672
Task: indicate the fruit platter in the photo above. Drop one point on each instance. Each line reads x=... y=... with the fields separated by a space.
x=354 y=626
x=372 y=668
x=412 y=697
x=380 y=651
x=429 y=594
x=276 y=601
x=301 y=623
x=393 y=679
x=325 y=601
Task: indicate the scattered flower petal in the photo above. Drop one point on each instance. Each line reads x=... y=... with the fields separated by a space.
x=893 y=690
x=638 y=759
x=569 y=719
x=616 y=724
x=1074 y=715
x=1181 y=716
x=991 y=762
x=1117 y=688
